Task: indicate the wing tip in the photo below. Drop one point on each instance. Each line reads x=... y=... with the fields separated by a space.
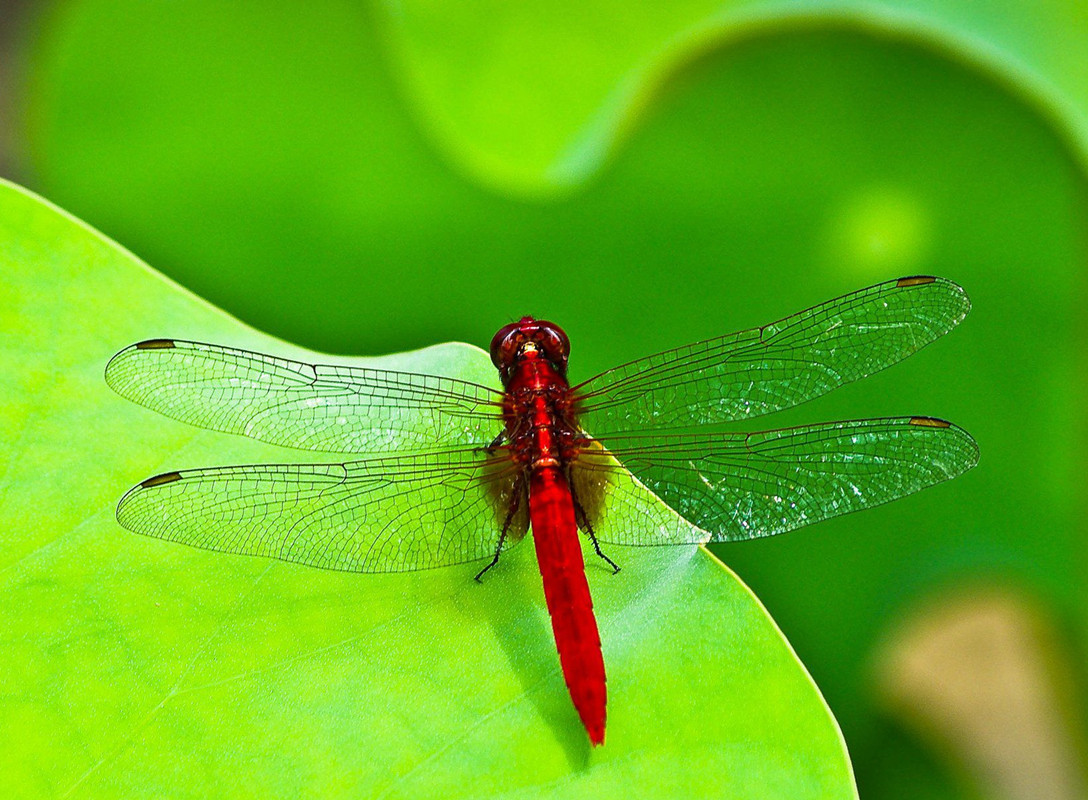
x=973 y=451
x=150 y=483
x=953 y=288
x=112 y=380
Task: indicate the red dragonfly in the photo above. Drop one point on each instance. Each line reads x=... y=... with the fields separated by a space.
x=471 y=468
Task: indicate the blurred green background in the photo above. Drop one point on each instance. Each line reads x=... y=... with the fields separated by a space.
x=369 y=178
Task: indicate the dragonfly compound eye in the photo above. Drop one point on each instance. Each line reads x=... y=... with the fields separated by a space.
x=505 y=344
x=554 y=342
x=513 y=339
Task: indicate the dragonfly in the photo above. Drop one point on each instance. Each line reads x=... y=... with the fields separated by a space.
x=445 y=471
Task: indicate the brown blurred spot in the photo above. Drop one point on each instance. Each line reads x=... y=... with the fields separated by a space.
x=981 y=676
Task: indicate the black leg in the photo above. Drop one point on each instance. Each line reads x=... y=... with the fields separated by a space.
x=597 y=547
x=515 y=504
x=583 y=523
x=494 y=561
x=491 y=448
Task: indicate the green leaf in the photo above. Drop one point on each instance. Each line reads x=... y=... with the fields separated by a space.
x=535 y=97
x=136 y=667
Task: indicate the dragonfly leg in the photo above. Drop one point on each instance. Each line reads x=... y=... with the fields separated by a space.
x=597 y=547
x=496 y=443
x=515 y=504
x=494 y=561
x=584 y=524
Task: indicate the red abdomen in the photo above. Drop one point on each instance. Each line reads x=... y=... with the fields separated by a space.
x=559 y=553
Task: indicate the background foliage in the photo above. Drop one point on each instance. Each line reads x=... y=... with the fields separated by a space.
x=371 y=178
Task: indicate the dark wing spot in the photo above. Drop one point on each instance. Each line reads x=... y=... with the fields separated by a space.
x=915 y=280
x=155 y=344
x=930 y=422
x=159 y=480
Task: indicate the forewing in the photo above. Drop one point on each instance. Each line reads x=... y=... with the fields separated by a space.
x=378 y=515
x=766 y=369
x=308 y=406
x=742 y=486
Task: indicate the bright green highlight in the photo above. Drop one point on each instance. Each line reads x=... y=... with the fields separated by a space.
x=880 y=231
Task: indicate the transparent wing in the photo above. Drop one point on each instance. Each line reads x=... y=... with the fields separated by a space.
x=742 y=486
x=379 y=515
x=767 y=369
x=308 y=406
x=620 y=508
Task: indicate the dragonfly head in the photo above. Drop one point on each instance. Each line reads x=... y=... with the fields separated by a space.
x=527 y=335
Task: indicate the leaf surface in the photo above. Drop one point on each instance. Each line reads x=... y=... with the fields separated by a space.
x=136 y=667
